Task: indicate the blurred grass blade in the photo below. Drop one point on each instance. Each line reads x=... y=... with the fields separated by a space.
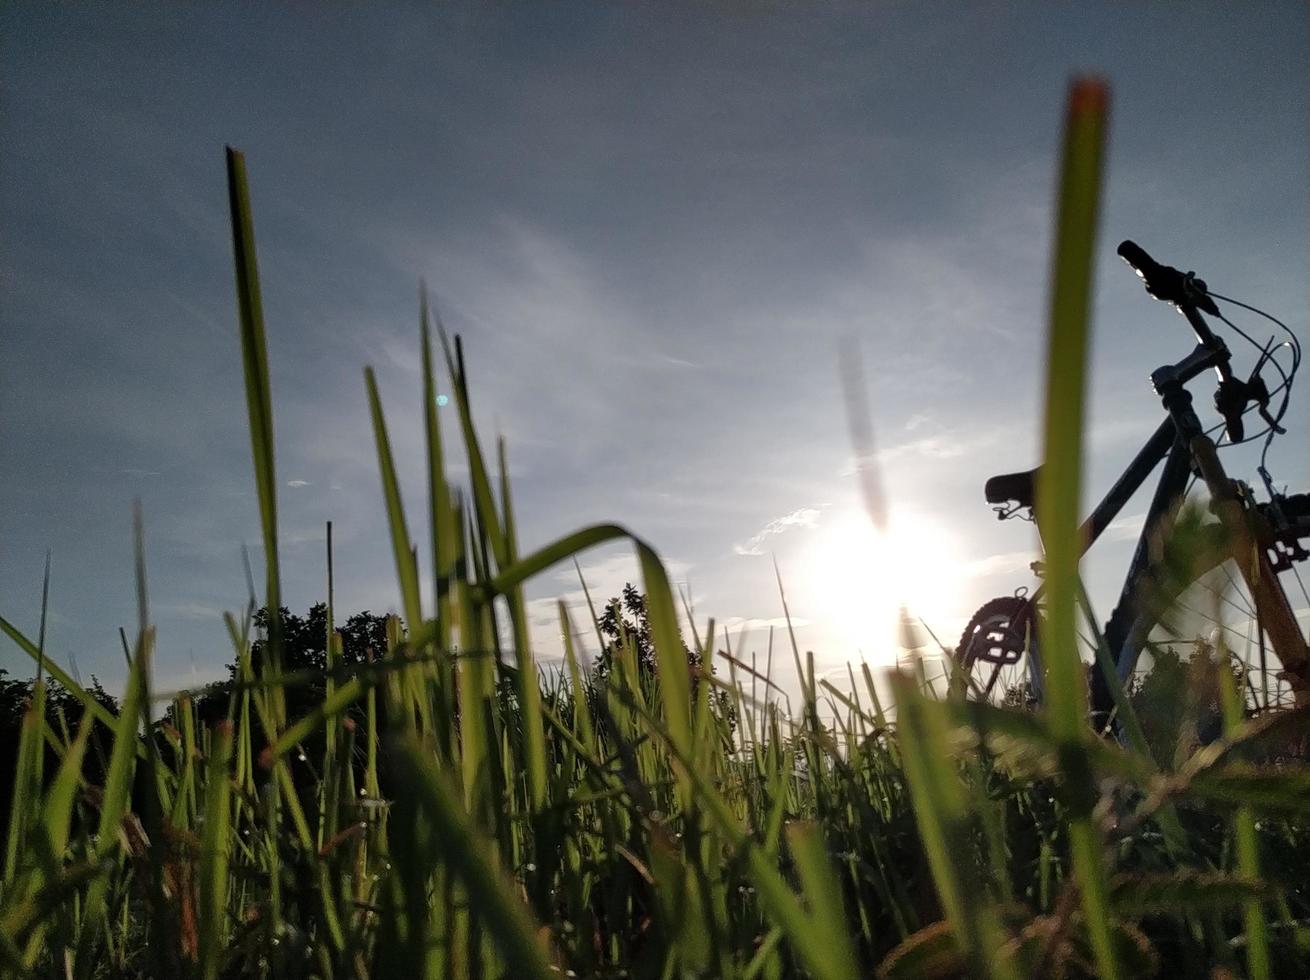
x=941 y=810
x=1247 y=841
x=822 y=893
x=214 y=853
x=1059 y=492
x=499 y=908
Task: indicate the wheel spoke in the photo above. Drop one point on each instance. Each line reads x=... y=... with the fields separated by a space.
x=1201 y=608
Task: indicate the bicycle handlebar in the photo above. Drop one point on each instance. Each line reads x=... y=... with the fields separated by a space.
x=1142 y=264
x=1188 y=294
x=1166 y=283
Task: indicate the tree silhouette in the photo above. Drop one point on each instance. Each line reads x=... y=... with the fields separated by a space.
x=304 y=652
x=626 y=620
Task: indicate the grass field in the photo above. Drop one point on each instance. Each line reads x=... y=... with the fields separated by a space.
x=451 y=810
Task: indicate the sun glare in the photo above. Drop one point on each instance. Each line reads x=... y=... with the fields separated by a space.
x=856 y=579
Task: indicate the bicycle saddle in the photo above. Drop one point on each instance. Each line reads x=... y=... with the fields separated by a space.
x=1019 y=487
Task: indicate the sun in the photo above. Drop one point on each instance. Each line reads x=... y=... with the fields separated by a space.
x=855 y=580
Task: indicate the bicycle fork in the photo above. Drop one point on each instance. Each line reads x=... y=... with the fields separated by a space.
x=1273 y=611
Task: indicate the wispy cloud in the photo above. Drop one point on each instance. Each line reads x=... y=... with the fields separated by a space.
x=188 y=610
x=741 y=625
x=931 y=447
x=297 y=483
x=1125 y=528
x=804 y=517
x=1005 y=563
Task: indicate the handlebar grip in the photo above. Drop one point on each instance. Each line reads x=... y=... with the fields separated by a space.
x=1167 y=284
x=1136 y=256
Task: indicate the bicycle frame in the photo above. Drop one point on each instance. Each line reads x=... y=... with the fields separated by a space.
x=1181 y=442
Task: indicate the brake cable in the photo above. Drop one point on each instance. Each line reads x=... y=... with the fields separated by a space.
x=1255 y=386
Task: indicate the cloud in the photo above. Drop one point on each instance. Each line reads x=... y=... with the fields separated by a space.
x=1006 y=563
x=741 y=625
x=930 y=447
x=188 y=610
x=804 y=517
x=605 y=577
x=297 y=483
x=1126 y=528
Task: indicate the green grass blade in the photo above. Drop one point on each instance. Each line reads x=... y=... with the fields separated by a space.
x=215 y=853
x=64 y=678
x=822 y=893
x=26 y=798
x=581 y=711
x=1058 y=496
x=941 y=810
x=406 y=571
x=443 y=531
x=114 y=802
x=527 y=683
x=483 y=502
x=259 y=398
x=499 y=907
x=1248 y=845
x=57 y=813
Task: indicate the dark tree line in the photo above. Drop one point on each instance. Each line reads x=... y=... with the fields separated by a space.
x=63 y=713
x=304 y=656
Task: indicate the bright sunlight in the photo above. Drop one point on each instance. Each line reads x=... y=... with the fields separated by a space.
x=856 y=579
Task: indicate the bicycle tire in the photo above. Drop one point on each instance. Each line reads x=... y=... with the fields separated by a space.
x=1205 y=605
x=992 y=629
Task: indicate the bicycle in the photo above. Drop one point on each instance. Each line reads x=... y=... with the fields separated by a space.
x=999 y=650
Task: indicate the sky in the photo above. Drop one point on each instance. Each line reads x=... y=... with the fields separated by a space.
x=658 y=228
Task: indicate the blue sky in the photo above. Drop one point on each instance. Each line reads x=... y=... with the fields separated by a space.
x=654 y=226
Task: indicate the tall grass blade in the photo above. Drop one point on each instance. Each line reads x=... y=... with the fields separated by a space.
x=941 y=811
x=259 y=399
x=406 y=571
x=458 y=845
x=113 y=809
x=822 y=893
x=214 y=853
x=1058 y=494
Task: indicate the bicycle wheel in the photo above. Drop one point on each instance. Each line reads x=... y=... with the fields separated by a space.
x=1202 y=606
x=997 y=653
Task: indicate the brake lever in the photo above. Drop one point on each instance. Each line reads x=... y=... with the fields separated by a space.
x=1195 y=292
x=1259 y=392
x=1233 y=395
